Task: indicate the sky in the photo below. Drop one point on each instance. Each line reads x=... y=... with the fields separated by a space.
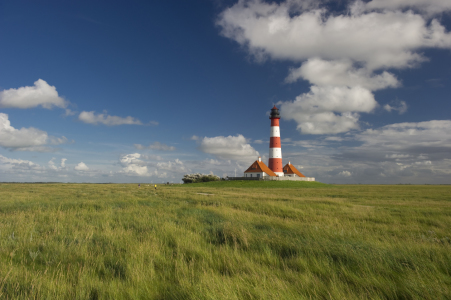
x=147 y=91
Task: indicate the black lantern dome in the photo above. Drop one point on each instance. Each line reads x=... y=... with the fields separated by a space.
x=274 y=113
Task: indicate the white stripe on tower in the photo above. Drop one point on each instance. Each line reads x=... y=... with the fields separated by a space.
x=275 y=150
x=275 y=131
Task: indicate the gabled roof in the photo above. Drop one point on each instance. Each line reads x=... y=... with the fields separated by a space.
x=259 y=166
x=290 y=169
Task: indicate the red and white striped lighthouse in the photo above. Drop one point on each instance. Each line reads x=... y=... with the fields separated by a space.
x=275 y=150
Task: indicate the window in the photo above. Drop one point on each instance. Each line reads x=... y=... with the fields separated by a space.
x=258 y=175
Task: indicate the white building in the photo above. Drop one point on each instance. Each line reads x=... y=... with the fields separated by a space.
x=259 y=170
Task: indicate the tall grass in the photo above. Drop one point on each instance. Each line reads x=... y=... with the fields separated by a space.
x=231 y=241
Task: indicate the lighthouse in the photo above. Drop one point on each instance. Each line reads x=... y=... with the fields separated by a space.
x=275 y=150
x=274 y=171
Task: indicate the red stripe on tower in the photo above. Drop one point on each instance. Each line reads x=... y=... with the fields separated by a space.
x=275 y=149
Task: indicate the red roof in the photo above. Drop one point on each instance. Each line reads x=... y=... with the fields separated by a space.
x=258 y=167
x=274 y=107
x=290 y=169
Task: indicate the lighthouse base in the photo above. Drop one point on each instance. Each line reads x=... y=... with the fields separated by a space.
x=280 y=174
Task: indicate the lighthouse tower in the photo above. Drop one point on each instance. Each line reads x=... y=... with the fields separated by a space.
x=275 y=150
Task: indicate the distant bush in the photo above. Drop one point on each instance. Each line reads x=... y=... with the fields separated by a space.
x=194 y=178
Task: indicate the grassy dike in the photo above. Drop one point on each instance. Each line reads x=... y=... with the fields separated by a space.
x=225 y=240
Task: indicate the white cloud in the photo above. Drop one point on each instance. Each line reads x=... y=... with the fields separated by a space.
x=258 y=142
x=91 y=118
x=25 y=139
x=397 y=156
x=152 y=157
x=53 y=166
x=69 y=112
x=341 y=73
x=155 y=146
x=41 y=94
x=328 y=109
x=401 y=108
x=230 y=147
x=376 y=39
x=11 y=163
x=402 y=147
x=338 y=87
x=427 y=162
x=173 y=166
x=345 y=174
x=343 y=55
x=334 y=139
x=435 y=133
x=396 y=153
x=195 y=138
x=429 y=6
x=133 y=165
x=81 y=167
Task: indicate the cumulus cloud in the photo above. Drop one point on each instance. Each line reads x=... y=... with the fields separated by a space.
x=81 y=167
x=11 y=163
x=341 y=73
x=410 y=152
x=132 y=164
x=52 y=165
x=376 y=39
x=427 y=162
x=435 y=133
x=155 y=146
x=69 y=112
x=343 y=56
x=135 y=164
x=404 y=143
x=397 y=156
x=25 y=139
x=345 y=174
x=91 y=118
x=400 y=108
x=230 y=147
x=330 y=109
x=429 y=6
x=41 y=94
x=152 y=157
x=176 y=166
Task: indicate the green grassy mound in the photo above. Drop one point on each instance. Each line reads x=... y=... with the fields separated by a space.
x=259 y=184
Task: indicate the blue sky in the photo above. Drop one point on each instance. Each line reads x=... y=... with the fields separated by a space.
x=109 y=91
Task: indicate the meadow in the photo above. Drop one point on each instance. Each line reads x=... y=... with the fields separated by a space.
x=225 y=240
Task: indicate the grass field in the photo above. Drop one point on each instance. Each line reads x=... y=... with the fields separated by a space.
x=225 y=240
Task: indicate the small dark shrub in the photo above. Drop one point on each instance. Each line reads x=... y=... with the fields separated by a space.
x=194 y=178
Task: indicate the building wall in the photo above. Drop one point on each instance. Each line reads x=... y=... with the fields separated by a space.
x=254 y=174
x=297 y=178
